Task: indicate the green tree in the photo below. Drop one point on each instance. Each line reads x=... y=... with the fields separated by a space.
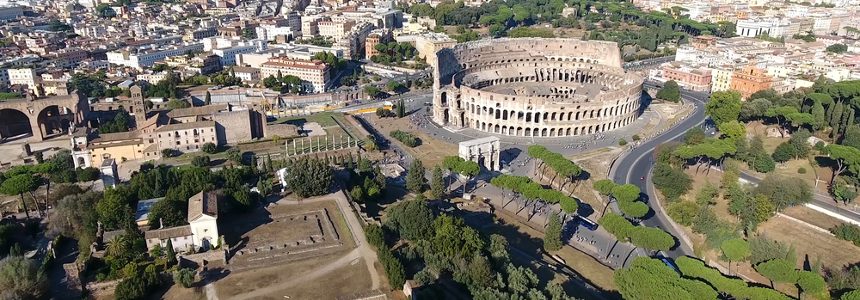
x=649 y=278
x=783 y=191
x=724 y=106
x=22 y=278
x=552 y=240
x=845 y=158
x=735 y=250
x=784 y=152
x=670 y=91
x=778 y=270
x=626 y=192
x=234 y=155
x=178 y=103
x=733 y=130
x=184 y=276
x=684 y=212
x=309 y=177
x=415 y=180
x=170 y=253
x=812 y=284
x=852 y=136
x=437 y=184
x=837 y=48
x=401 y=109
x=18 y=185
x=200 y=161
x=412 y=219
x=604 y=186
x=210 y=148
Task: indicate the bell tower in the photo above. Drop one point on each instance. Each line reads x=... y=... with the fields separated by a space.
x=139 y=105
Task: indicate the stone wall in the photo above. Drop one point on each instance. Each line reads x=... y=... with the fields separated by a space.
x=204 y=258
x=238 y=126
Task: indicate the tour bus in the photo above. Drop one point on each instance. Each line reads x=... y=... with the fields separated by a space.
x=585 y=222
x=668 y=262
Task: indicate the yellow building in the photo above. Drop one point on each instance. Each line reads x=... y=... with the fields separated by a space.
x=721 y=79
x=120 y=146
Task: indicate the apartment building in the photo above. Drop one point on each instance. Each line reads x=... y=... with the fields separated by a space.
x=140 y=58
x=186 y=137
x=314 y=74
x=749 y=80
x=695 y=79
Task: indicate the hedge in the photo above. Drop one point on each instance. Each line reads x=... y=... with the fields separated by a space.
x=737 y=288
x=406 y=138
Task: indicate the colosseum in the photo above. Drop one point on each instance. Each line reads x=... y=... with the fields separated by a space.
x=534 y=87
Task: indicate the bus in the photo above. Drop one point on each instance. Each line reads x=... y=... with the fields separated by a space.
x=588 y=224
x=668 y=262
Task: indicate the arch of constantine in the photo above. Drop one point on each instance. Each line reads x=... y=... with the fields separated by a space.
x=534 y=87
x=42 y=118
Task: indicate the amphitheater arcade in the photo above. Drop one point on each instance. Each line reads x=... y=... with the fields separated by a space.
x=534 y=87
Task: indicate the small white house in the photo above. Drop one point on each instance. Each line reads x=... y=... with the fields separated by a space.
x=201 y=233
x=203 y=217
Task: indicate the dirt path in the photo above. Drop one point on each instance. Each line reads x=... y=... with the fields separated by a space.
x=209 y=290
x=357 y=232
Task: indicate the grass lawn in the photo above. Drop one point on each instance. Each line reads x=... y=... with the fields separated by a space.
x=833 y=252
x=431 y=151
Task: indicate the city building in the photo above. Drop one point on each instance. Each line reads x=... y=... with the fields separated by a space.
x=314 y=74
x=140 y=58
x=201 y=233
x=749 y=80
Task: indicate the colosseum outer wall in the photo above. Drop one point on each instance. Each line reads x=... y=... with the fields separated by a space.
x=535 y=87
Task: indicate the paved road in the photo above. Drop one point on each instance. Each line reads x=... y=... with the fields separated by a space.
x=637 y=164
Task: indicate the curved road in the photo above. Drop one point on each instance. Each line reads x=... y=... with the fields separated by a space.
x=637 y=163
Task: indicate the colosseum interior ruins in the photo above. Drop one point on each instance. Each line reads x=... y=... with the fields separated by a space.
x=535 y=87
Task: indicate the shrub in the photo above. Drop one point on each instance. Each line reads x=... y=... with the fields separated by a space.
x=684 y=212
x=200 y=161
x=406 y=138
x=184 y=277
x=801 y=170
x=636 y=138
x=622 y=142
x=848 y=232
x=88 y=174
x=235 y=155
x=210 y=148
x=166 y=153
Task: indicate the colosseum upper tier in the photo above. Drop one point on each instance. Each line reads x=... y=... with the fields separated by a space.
x=534 y=87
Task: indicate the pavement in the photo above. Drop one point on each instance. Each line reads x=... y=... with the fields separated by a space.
x=635 y=167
